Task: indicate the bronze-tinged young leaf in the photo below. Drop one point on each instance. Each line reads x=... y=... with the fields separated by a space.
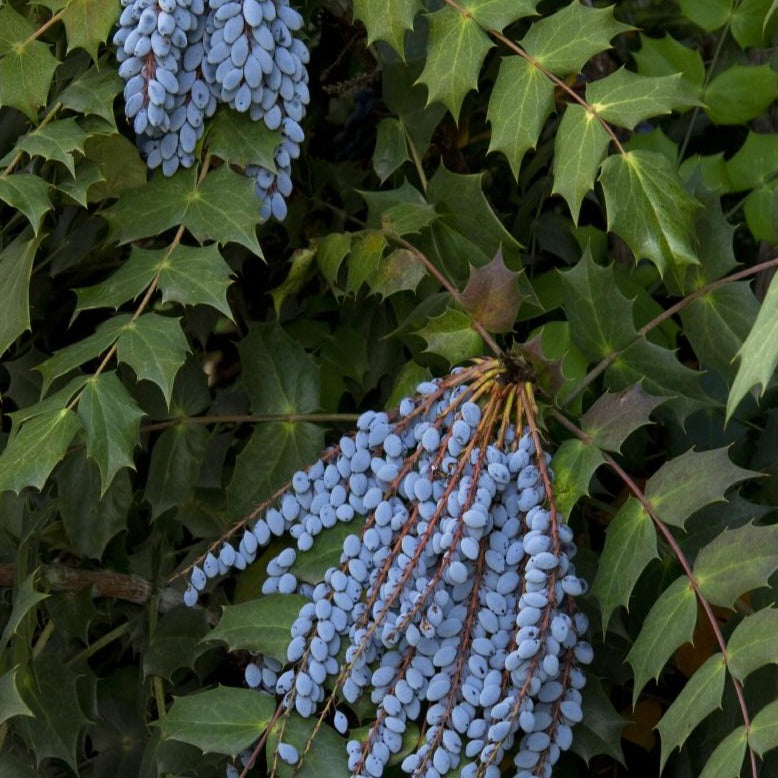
x=752 y=644
x=261 y=625
x=740 y=93
x=720 y=570
x=451 y=335
x=155 y=347
x=11 y=702
x=565 y=41
x=387 y=20
x=492 y=295
x=574 y=464
x=15 y=270
x=666 y=56
x=726 y=760
x=759 y=352
x=27 y=193
x=496 y=14
x=223 y=720
x=764 y=729
x=34 y=451
x=93 y=93
x=699 y=698
x=55 y=141
x=237 y=139
x=26 y=65
x=580 y=146
x=691 y=481
x=456 y=49
x=614 y=416
x=669 y=624
x=630 y=544
x=648 y=207
x=521 y=100
x=111 y=418
x=601 y=728
x=626 y=98
x=88 y=23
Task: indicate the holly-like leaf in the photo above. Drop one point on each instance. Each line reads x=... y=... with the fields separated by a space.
x=27 y=193
x=221 y=720
x=764 y=729
x=615 y=416
x=630 y=544
x=176 y=642
x=55 y=141
x=565 y=41
x=111 y=418
x=367 y=251
x=87 y=175
x=331 y=250
x=301 y=262
x=456 y=49
x=522 y=98
x=719 y=567
x=399 y=271
x=261 y=625
x=726 y=760
x=88 y=23
x=326 y=749
x=26 y=64
x=708 y=14
x=11 y=702
x=133 y=277
x=451 y=336
x=626 y=98
x=669 y=624
x=93 y=93
x=119 y=164
x=754 y=163
x=391 y=148
x=408 y=218
x=33 y=452
x=740 y=93
x=237 y=139
x=600 y=731
x=691 y=481
x=666 y=56
x=574 y=465
x=752 y=644
x=752 y=22
x=576 y=164
x=700 y=697
x=387 y=20
x=25 y=598
x=155 y=347
x=759 y=352
x=648 y=207
x=497 y=14
x=311 y=566
x=15 y=269
x=492 y=295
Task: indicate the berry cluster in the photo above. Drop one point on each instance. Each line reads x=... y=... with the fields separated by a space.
x=455 y=602
x=181 y=58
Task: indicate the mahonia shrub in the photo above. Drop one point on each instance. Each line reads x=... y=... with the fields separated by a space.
x=388 y=388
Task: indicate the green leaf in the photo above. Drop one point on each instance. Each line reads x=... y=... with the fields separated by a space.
x=740 y=93
x=111 y=418
x=708 y=14
x=691 y=481
x=237 y=139
x=727 y=758
x=90 y=516
x=366 y=258
x=221 y=720
x=15 y=270
x=176 y=642
x=492 y=295
x=93 y=93
x=754 y=163
x=666 y=56
x=27 y=193
x=155 y=347
x=751 y=23
x=133 y=276
x=88 y=23
x=764 y=729
x=301 y=262
x=700 y=697
x=26 y=65
x=648 y=207
x=13 y=767
x=613 y=417
x=456 y=50
x=597 y=329
x=408 y=218
x=50 y=689
x=87 y=175
x=630 y=544
x=331 y=250
x=387 y=20
x=25 y=598
x=261 y=625
x=574 y=464
x=11 y=702
x=497 y=14
x=576 y=164
x=719 y=567
x=391 y=148
x=752 y=644
x=55 y=141
x=759 y=352
x=223 y=207
x=600 y=731
x=327 y=753
x=55 y=401
x=119 y=164
x=521 y=100
x=761 y=211
x=451 y=336
x=310 y=566
x=399 y=271
x=625 y=98
x=668 y=625
x=33 y=452
x=565 y=41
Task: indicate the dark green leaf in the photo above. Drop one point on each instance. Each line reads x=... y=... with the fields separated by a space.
x=133 y=277
x=752 y=644
x=310 y=566
x=391 y=148
x=331 y=250
x=88 y=23
x=327 y=755
x=223 y=720
x=408 y=218
x=740 y=93
x=700 y=697
x=727 y=758
x=93 y=93
x=28 y=193
x=387 y=20
x=574 y=464
x=176 y=642
x=262 y=625
x=25 y=598
x=11 y=702
x=365 y=260
x=15 y=269
x=451 y=336
x=56 y=141
x=764 y=729
x=237 y=139
x=301 y=262
x=87 y=175
x=496 y=14
x=119 y=163
x=600 y=730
